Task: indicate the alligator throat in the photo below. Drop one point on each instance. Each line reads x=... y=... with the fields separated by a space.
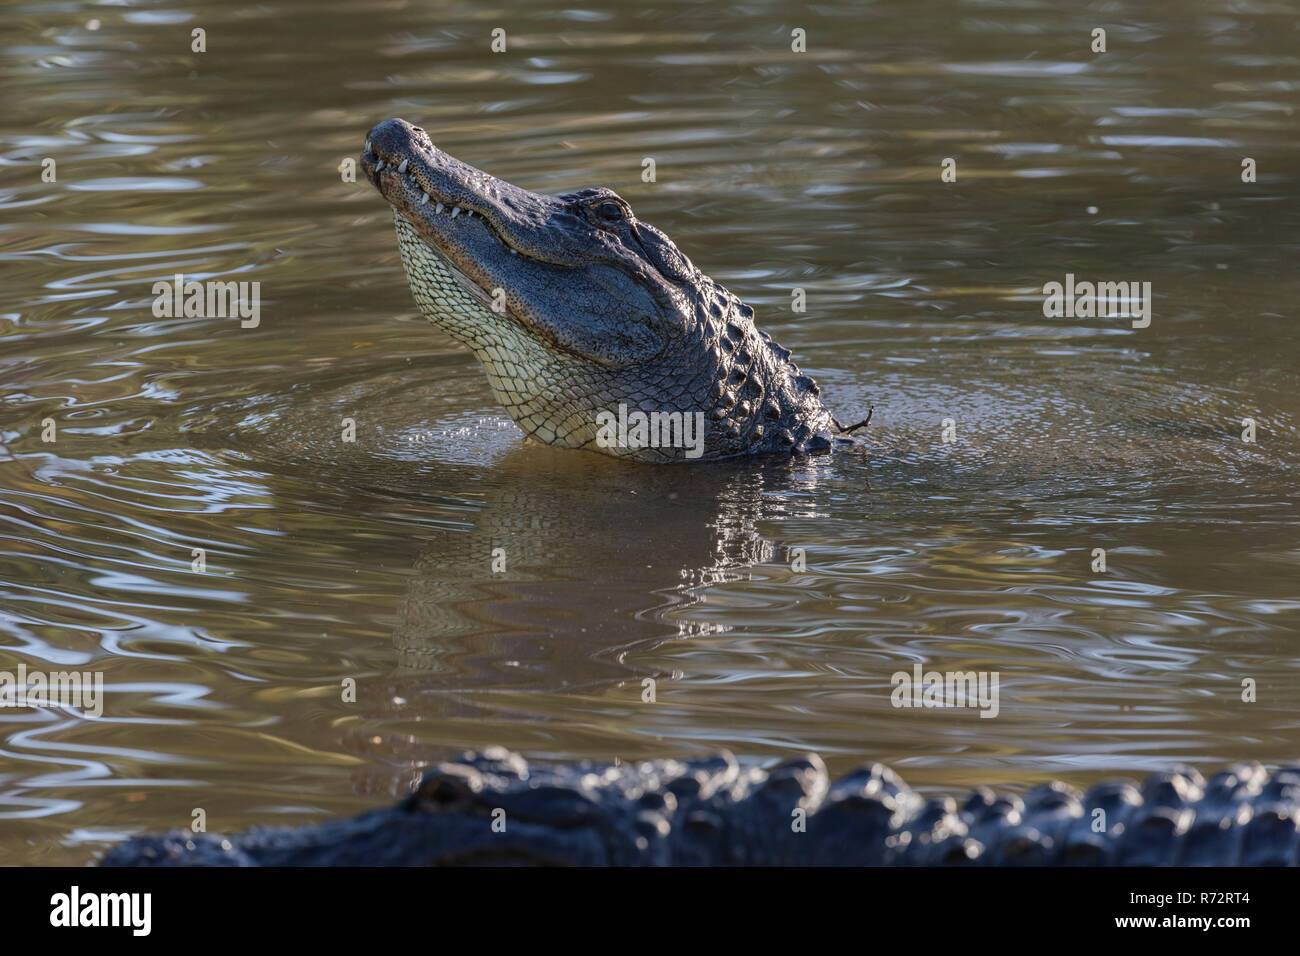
x=595 y=331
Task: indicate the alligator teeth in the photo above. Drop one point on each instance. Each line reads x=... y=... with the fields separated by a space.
x=514 y=251
x=367 y=146
x=379 y=165
x=402 y=168
x=469 y=213
x=439 y=209
x=455 y=211
x=424 y=199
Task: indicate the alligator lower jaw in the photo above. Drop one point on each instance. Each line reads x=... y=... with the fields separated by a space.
x=467 y=282
x=476 y=285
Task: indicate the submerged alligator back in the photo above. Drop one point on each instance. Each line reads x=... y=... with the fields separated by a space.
x=670 y=812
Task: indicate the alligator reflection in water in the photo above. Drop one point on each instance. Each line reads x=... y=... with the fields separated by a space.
x=598 y=564
x=551 y=525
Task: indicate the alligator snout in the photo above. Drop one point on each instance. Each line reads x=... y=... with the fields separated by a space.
x=392 y=141
x=404 y=151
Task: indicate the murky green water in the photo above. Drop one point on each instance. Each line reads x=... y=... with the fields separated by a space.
x=372 y=561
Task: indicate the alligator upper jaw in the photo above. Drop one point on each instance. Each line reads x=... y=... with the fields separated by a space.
x=468 y=216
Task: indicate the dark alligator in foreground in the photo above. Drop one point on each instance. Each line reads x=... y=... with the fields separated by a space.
x=582 y=315
x=495 y=808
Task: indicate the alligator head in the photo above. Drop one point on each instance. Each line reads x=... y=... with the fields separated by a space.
x=594 y=330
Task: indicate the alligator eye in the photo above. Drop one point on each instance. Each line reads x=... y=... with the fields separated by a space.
x=609 y=211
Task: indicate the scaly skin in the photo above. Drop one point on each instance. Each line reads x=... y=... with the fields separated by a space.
x=671 y=812
x=597 y=310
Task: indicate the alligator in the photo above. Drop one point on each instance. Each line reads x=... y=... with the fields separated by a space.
x=494 y=808
x=595 y=331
